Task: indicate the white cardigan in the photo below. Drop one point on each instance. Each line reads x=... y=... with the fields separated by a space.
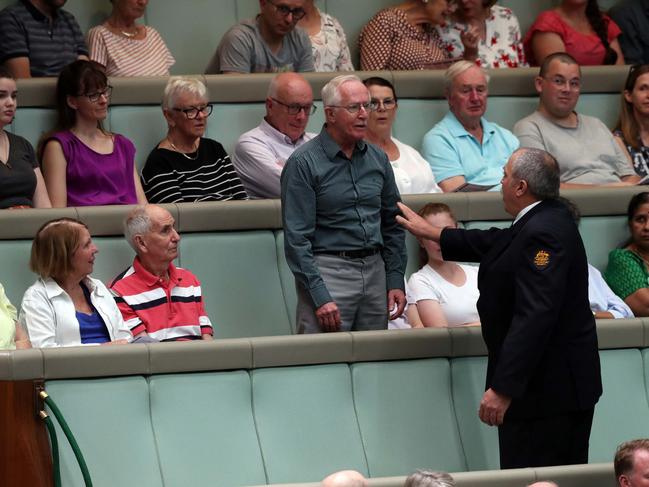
x=48 y=313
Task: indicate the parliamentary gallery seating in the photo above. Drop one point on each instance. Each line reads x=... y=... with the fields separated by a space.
x=192 y=29
x=275 y=410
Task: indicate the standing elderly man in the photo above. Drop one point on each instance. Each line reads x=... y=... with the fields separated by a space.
x=341 y=238
x=632 y=463
x=155 y=297
x=261 y=153
x=464 y=150
x=269 y=43
x=543 y=374
x=584 y=147
x=39 y=38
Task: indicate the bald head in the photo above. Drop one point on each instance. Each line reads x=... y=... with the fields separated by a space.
x=544 y=483
x=288 y=83
x=345 y=478
x=286 y=93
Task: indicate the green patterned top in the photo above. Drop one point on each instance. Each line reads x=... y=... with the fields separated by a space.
x=626 y=272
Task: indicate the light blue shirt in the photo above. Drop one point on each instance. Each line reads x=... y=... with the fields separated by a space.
x=452 y=151
x=602 y=298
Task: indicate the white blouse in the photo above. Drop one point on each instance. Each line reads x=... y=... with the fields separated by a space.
x=50 y=317
x=412 y=172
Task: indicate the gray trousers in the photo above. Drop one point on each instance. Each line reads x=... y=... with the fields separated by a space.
x=358 y=288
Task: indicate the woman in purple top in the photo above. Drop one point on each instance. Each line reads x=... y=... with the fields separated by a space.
x=83 y=164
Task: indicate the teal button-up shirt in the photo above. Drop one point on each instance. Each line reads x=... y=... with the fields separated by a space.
x=452 y=151
x=332 y=203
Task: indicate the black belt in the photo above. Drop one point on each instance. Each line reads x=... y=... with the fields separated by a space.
x=351 y=254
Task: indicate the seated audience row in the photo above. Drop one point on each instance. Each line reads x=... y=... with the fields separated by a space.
x=66 y=307
x=152 y=300
x=39 y=38
x=83 y=164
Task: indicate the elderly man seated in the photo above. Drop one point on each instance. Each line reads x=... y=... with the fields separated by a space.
x=155 y=297
x=261 y=153
x=465 y=151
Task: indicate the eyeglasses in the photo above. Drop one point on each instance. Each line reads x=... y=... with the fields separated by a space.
x=192 y=112
x=356 y=107
x=559 y=82
x=298 y=13
x=95 y=96
x=295 y=108
x=385 y=103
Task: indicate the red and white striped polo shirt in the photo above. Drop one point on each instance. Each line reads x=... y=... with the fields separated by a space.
x=166 y=310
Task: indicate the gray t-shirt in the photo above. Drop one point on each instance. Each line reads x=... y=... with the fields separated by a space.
x=243 y=50
x=587 y=154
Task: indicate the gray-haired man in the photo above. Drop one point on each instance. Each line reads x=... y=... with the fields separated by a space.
x=338 y=207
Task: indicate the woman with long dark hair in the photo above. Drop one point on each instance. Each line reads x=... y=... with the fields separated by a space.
x=577 y=27
x=632 y=129
x=84 y=164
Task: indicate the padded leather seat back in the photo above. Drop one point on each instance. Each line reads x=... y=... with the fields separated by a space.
x=306 y=422
x=480 y=442
x=287 y=279
x=205 y=430
x=145 y=126
x=32 y=123
x=622 y=411
x=405 y=413
x=601 y=234
x=16 y=276
x=240 y=281
x=114 y=257
x=111 y=422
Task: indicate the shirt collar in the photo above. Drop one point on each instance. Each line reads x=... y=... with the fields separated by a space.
x=151 y=279
x=281 y=137
x=457 y=129
x=331 y=147
x=524 y=211
x=37 y=14
x=52 y=288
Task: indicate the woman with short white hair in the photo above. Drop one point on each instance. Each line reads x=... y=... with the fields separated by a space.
x=185 y=166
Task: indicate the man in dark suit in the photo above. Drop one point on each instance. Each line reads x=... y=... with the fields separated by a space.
x=543 y=375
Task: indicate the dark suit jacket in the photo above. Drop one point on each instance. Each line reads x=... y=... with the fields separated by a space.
x=534 y=309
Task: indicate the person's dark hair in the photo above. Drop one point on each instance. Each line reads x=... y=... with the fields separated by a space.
x=6 y=74
x=623 y=462
x=78 y=78
x=600 y=26
x=635 y=202
x=432 y=209
x=627 y=123
x=540 y=169
x=378 y=81
x=564 y=57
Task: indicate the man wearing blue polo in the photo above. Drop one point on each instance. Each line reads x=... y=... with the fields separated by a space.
x=465 y=151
